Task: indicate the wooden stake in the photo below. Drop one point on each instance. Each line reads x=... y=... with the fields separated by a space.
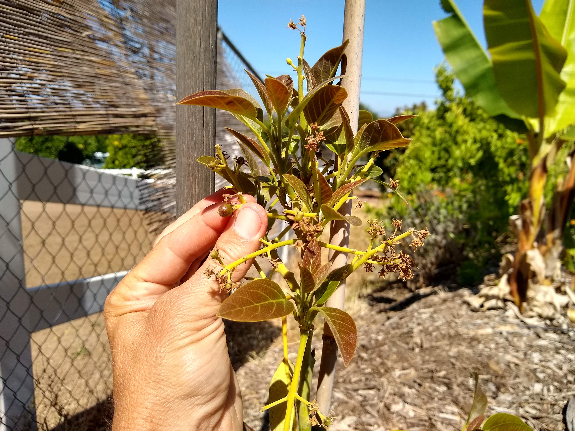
x=353 y=25
x=196 y=53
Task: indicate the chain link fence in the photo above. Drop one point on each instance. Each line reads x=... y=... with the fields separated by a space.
x=68 y=234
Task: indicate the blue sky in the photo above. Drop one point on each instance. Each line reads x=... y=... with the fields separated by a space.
x=400 y=49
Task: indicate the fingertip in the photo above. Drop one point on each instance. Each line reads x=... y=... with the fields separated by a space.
x=250 y=221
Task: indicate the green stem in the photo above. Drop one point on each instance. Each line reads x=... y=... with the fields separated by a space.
x=255 y=254
x=367 y=255
x=338 y=248
x=295 y=379
x=277 y=216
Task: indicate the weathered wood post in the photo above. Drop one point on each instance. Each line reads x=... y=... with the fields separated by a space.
x=353 y=24
x=196 y=53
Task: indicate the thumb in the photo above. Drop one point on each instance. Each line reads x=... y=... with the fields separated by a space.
x=200 y=297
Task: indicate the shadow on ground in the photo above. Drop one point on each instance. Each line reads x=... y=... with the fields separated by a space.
x=246 y=340
x=96 y=418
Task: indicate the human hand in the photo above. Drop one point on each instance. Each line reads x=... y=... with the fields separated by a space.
x=170 y=359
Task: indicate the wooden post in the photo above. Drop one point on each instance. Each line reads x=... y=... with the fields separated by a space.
x=17 y=409
x=196 y=53
x=353 y=24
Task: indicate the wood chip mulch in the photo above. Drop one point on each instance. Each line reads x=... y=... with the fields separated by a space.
x=414 y=363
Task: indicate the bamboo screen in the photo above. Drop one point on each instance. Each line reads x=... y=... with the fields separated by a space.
x=86 y=66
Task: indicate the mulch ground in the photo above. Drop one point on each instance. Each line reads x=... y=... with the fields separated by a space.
x=415 y=359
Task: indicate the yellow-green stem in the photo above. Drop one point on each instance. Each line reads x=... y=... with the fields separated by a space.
x=255 y=254
x=295 y=379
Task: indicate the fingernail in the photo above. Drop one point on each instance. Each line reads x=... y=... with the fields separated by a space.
x=247 y=223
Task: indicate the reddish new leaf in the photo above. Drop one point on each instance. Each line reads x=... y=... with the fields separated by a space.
x=308 y=75
x=400 y=118
x=344 y=331
x=307 y=280
x=478 y=408
x=344 y=190
x=312 y=256
x=256 y=148
x=261 y=88
x=279 y=93
x=321 y=274
x=256 y=301
x=348 y=132
x=376 y=133
x=327 y=65
x=235 y=101
x=324 y=188
x=324 y=104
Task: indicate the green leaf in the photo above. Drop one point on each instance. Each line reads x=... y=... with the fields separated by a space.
x=559 y=18
x=330 y=214
x=505 y=422
x=469 y=61
x=569 y=134
x=209 y=161
x=324 y=104
x=261 y=88
x=280 y=91
x=326 y=67
x=527 y=61
x=279 y=388
x=252 y=162
x=373 y=172
x=256 y=148
x=478 y=408
x=256 y=301
x=324 y=188
x=300 y=189
x=342 y=191
x=344 y=331
x=331 y=283
x=379 y=135
x=364 y=117
x=236 y=101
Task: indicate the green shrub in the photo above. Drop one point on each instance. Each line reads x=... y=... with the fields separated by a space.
x=465 y=171
x=133 y=151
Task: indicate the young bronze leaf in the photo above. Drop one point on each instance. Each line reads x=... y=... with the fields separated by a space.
x=261 y=88
x=307 y=281
x=327 y=65
x=324 y=104
x=344 y=331
x=353 y=220
x=331 y=283
x=279 y=388
x=321 y=274
x=293 y=117
x=348 y=132
x=209 y=161
x=308 y=76
x=478 y=408
x=312 y=257
x=364 y=117
x=400 y=118
x=324 y=188
x=279 y=94
x=300 y=188
x=256 y=301
x=256 y=148
x=505 y=422
x=377 y=132
x=344 y=190
x=389 y=145
x=228 y=100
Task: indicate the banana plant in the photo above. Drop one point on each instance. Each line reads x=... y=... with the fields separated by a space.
x=526 y=80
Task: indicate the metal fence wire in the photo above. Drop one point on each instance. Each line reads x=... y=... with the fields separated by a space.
x=68 y=234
